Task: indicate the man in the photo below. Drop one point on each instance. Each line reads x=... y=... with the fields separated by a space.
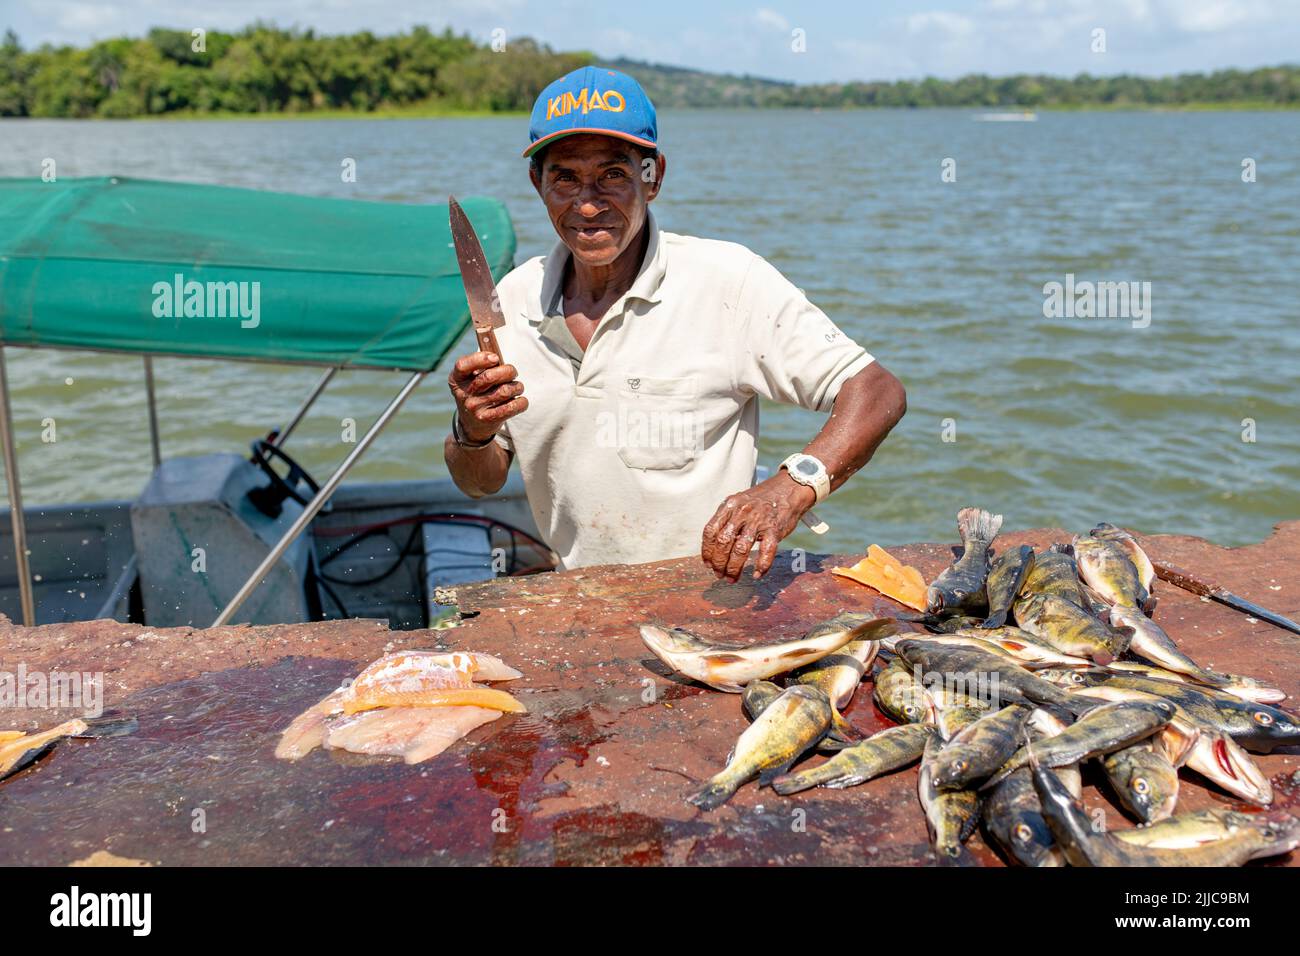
x=645 y=354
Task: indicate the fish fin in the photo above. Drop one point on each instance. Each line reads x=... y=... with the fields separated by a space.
x=976 y=524
x=842 y=729
x=1149 y=605
x=998 y=619
x=711 y=796
x=788 y=783
x=830 y=745
x=109 y=727
x=765 y=777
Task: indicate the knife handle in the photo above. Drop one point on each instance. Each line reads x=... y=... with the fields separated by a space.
x=487 y=341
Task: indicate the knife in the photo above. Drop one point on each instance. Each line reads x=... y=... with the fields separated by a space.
x=1183 y=579
x=480 y=289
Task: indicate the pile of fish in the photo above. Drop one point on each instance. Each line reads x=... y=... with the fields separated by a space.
x=410 y=704
x=1029 y=666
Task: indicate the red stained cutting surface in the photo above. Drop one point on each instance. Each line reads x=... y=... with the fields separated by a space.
x=597 y=772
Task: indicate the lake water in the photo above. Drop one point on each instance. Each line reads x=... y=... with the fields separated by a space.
x=1053 y=421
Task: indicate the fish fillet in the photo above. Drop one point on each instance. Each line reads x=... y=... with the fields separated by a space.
x=413 y=733
x=13 y=751
x=432 y=697
x=307 y=732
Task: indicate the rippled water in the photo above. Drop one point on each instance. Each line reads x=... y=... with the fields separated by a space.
x=1057 y=421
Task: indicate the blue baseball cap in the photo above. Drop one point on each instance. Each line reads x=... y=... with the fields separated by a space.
x=593 y=99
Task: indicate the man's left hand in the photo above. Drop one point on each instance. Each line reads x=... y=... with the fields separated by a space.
x=766 y=514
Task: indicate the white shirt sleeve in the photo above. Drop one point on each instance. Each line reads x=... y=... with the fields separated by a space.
x=789 y=350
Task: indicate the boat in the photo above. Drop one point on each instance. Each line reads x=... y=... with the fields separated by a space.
x=147 y=268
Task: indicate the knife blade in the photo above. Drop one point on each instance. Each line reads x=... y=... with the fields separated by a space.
x=1188 y=582
x=475 y=274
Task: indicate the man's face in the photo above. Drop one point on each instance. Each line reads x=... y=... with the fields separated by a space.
x=596 y=191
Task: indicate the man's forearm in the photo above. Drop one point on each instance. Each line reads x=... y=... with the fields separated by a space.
x=866 y=409
x=476 y=471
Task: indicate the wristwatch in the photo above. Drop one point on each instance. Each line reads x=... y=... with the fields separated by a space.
x=461 y=440
x=807 y=470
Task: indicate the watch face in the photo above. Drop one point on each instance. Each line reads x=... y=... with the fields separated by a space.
x=806 y=467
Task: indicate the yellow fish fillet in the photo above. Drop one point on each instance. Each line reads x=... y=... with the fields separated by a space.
x=434 y=697
x=412 y=733
x=882 y=571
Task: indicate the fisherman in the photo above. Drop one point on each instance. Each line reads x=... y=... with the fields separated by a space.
x=645 y=354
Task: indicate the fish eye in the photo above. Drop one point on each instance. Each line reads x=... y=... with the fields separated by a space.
x=910 y=710
x=1263 y=717
x=1140 y=786
x=961 y=766
x=1022 y=832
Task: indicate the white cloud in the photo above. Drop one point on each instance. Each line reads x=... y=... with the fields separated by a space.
x=770 y=18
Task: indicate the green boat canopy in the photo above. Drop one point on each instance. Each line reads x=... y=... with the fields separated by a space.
x=163 y=268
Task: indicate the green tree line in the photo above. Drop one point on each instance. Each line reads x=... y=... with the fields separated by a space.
x=263 y=69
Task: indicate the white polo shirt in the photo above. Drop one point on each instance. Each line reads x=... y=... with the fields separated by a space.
x=627 y=456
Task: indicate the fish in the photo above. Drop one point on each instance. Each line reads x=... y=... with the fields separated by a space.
x=1105 y=567
x=1024 y=648
x=1145 y=569
x=979 y=749
x=1043 y=724
x=1189 y=830
x=729 y=666
x=1247 y=688
x=1012 y=814
x=1006 y=578
x=1102 y=730
x=20 y=750
x=891 y=749
x=900 y=695
x=960 y=666
x=757 y=695
x=953 y=712
x=787 y=727
x=1055 y=572
x=1150 y=641
x=961 y=584
x=1014 y=818
x=415 y=734
x=1086 y=845
x=1219 y=758
x=1068 y=628
x=1176 y=739
x=1258 y=726
x=950 y=815
x=837 y=674
x=1144 y=779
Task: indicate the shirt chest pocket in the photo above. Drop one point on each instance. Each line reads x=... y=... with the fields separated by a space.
x=655 y=422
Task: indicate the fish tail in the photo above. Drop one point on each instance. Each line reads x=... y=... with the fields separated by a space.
x=976 y=524
x=712 y=795
x=788 y=783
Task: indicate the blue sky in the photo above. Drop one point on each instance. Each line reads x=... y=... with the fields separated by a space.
x=845 y=40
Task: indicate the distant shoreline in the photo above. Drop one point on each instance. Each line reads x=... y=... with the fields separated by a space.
x=1244 y=106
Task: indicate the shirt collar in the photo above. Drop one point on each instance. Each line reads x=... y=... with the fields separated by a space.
x=645 y=286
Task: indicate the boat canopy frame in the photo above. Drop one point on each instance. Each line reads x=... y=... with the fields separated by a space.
x=100 y=265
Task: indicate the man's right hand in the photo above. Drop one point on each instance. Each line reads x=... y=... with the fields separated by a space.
x=486 y=392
